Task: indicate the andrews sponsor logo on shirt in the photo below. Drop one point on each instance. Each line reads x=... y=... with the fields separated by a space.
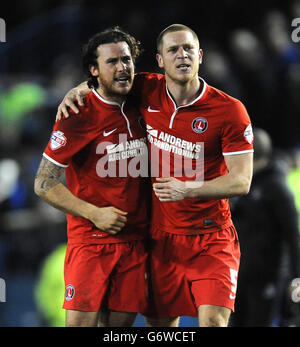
x=171 y=143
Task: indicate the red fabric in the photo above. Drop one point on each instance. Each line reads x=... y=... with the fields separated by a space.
x=189 y=271
x=213 y=125
x=82 y=147
x=112 y=276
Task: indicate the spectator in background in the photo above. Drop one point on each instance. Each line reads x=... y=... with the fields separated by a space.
x=268 y=229
x=49 y=289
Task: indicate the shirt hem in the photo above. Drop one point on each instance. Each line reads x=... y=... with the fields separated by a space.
x=238 y=152
x=194 y=231
x=54 y=161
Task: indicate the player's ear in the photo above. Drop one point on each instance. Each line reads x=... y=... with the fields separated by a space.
x=200 y=56
x=94 y=70
x=159 y=60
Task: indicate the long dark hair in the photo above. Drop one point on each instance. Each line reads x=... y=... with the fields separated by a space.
x=110 y=35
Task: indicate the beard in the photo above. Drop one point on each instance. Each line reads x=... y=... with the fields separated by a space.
x=116 y=87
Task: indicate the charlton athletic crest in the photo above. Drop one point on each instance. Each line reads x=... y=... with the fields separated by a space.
x=58 y=140
x=70 y=292
x=199 y=125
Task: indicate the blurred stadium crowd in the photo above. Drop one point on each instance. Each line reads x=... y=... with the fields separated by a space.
x=248 y=53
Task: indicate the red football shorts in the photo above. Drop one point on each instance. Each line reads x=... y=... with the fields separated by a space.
x=108 y=276
x=192 y=270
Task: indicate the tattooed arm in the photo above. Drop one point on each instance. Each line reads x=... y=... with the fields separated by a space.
x=47 y=185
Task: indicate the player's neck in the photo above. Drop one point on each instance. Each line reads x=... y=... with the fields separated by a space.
x=184 y=93
x=116 y=98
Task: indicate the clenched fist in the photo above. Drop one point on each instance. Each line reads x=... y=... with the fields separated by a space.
x=109 y=219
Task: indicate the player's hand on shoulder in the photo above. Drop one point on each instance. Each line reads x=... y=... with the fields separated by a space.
x=109 y=219
x=73 y=98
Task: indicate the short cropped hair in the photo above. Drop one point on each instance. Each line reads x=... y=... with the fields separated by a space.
x=110 y=35
x=173 y=28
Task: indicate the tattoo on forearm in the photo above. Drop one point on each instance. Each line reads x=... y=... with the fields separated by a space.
x=48 y=176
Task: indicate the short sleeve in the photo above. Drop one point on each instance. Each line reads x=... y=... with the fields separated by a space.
x=237 y=134
x=68 y=137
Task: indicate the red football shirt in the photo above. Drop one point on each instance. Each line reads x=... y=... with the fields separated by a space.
x=189 y=142
x=104 y=150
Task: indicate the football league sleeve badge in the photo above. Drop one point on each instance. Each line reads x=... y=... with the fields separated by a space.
x=57 y=140
x=248 y=134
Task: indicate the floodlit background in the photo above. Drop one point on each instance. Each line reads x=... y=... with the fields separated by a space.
x=248 y=53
